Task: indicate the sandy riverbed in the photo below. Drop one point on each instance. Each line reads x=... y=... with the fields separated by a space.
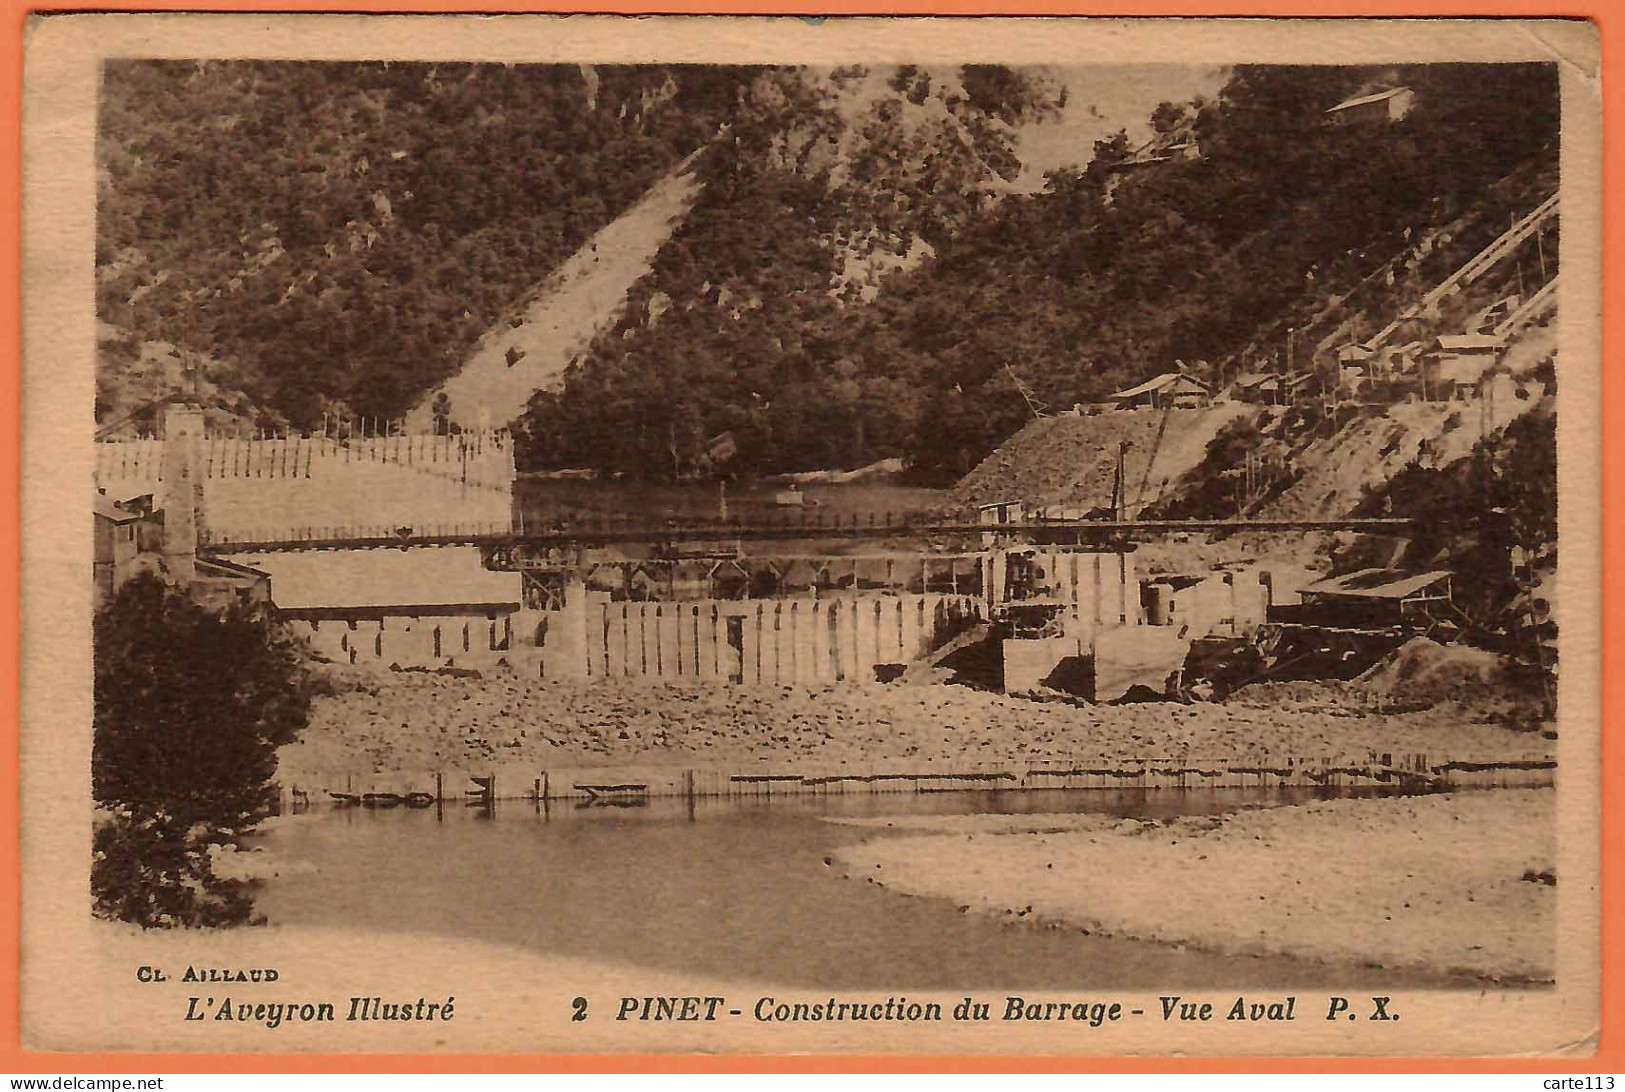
x=377 y=723
x=1459 y=882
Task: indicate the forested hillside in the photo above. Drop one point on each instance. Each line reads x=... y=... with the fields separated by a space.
x=1107 y=277
x=858 y=277
x=339 y=234
x=768 y=313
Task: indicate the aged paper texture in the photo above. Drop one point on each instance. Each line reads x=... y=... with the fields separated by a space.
x=766 y=536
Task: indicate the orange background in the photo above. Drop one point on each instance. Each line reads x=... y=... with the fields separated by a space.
x=1609 y=20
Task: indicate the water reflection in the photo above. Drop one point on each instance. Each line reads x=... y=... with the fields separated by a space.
x=745 y=889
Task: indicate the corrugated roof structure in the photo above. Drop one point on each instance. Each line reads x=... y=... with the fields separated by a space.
x=1377 y=584
x=1379 y=96
x=383 y=579
x=109 y=509
x=1255 y=379
x=1160 y=382
x=1459 y=343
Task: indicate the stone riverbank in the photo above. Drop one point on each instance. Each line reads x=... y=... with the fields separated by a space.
x=374 y=725
x=1460 y=882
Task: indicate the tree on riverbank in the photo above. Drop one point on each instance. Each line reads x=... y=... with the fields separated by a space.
x=190 y=707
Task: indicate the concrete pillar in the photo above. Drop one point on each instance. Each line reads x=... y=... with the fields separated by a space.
x=750 y=644
x=617 y=644
x=1098 y=591
x=699 y=656
x=720 y=660
x=823 y=614
x=567 y=643
x=1133 y=609
x=774 y=655
x=789 y=654
x=648 y=640
x=669 y=657
x=1122 y=591
x=1159 y=611
x=868 y=637
x=915 y=635
x=1071 y=594
x=181 y=491
x=847 y=639
x=892 y=632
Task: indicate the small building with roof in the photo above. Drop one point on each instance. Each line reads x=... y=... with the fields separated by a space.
x=1174 y=389
x=1402 y=359
x=1261 y=388
x=1374 y=108
x=1453 y=364
x=128 y=541
x=413 y=607
x=117 y=545
x=1376 y=598
x=1354 y=354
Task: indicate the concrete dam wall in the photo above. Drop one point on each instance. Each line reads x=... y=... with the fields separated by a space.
x=742 y=642
x=768 y=642
x=261 y=489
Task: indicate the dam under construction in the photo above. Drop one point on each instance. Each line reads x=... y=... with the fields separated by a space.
x=407 y=551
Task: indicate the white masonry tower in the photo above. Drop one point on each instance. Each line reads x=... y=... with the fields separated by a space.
x=181 y=490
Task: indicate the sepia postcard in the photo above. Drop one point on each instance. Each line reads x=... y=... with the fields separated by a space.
x=760 y=536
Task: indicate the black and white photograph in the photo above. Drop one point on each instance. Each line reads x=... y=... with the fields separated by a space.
x=1017 y=536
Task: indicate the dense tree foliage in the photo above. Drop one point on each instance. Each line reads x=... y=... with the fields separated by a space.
x=1472 y=511
x=858 y=279
x=342 y=233
x=190 y=707
x=1108 y=276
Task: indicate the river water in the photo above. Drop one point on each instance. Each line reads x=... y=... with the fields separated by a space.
x=737 y=889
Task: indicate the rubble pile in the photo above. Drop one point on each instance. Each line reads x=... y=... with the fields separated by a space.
x=1425 y=671
x=1071 y=460
x=378 y=722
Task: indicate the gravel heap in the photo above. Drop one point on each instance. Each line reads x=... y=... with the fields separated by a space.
x=1457 y=883
x=1073 y=460
x=1421 y=670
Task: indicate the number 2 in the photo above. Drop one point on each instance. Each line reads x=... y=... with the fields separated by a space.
x=580 y=1007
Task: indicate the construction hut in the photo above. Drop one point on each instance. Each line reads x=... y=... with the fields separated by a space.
x=645 y=584
x=420 y=607
x=1454 y=363
x=118 y=545
x=1372 y=598
x=1354 y=369
x=1160 y=600
x=1174 y=389
x=1355 y=355
x=129 y=540
x=1375 y=108
x=720 y=448
x=996 y=515
x=1261 y=388
x=1494 y=315
x=218 y=584
x=1402 y=359
x=1299 y=387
